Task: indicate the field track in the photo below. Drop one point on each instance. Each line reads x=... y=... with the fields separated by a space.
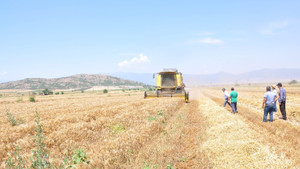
x=180 y=143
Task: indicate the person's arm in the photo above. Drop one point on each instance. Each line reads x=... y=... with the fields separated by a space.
x=264 y=101
x=276 y=98
x=280 y=96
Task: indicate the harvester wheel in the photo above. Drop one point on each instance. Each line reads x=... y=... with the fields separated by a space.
x=187 y=99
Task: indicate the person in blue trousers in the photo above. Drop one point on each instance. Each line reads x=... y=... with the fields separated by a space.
x=282 y=100
x=226 y=96
x=269 y=104
x=233 y=99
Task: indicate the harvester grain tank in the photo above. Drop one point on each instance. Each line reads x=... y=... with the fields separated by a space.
x=169 y=83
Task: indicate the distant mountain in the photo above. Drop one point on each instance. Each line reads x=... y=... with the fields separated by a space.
x=81 y=81
x=258 y=76
x=85 y=81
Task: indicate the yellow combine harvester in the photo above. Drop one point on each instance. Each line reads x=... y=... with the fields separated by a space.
x=169 y=83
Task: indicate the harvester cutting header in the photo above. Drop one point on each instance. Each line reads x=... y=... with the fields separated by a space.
x=169 y=83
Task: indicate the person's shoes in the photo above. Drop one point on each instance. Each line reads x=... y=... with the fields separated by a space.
x=282 y=118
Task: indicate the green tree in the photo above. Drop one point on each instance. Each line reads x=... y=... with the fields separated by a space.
x=293 y=82
x=47 y=92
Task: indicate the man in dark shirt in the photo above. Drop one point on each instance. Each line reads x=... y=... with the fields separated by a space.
x=281 y=100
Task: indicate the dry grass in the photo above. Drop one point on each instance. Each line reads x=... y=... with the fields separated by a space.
x=123 y=130
x=253 y=96
x=232 y=143
x=179 y=145
x=89 y=121
x=281 y=136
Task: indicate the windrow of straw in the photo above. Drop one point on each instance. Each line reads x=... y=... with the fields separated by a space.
x=231 y=142
x=282 y=136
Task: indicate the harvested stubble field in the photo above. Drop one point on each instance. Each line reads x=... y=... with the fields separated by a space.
x=123 y=130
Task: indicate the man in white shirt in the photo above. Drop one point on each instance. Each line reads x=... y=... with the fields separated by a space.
x=226 y=96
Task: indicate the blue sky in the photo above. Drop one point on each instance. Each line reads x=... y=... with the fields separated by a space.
x=61 y=38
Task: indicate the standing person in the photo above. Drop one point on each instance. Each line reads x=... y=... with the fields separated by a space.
x=274 y=91
x=268 y=104
x=281 y=100
x=226 y=96
x=233 y=98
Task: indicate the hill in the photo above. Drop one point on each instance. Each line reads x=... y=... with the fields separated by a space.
x=81 y=81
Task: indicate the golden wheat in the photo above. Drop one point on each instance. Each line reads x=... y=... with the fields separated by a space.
x=85 y=120
x=123 y=130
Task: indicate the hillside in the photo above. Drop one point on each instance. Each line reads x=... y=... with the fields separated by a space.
x=72 y=82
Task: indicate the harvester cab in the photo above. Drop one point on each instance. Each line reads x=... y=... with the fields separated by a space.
x=169 y=83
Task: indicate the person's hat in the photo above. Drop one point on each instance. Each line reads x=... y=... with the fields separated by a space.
x=279 y=84
x=274 y=86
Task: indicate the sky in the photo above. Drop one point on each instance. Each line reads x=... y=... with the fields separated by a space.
x=57 y=38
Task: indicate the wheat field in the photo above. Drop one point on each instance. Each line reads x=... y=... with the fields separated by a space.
x=124 y=130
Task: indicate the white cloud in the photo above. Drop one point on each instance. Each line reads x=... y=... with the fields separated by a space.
x=3 y=73
x=207 y=40
x=134 y=62
x=273 y=27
